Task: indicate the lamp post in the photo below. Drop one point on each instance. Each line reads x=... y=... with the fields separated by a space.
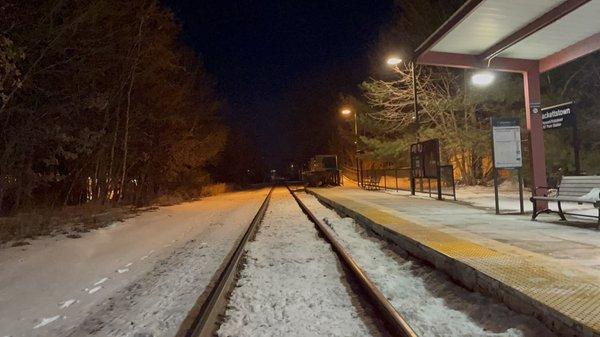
x=348 y=112
x=394 y=62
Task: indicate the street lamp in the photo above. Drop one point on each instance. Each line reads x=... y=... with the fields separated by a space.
x=348 y=112
x=394 y=61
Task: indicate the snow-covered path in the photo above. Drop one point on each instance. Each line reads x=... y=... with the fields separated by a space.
x=291 y=283
x=431 y=303
x=140 y=276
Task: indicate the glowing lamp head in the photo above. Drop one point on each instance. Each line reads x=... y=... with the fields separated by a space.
x=346 y=112
x=393 y=61
x=482 y=78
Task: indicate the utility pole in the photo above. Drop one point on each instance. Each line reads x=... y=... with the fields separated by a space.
x=415 y=98
x=347 y=112
x=358 y=180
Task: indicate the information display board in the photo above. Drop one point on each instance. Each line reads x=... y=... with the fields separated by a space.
x=416 y=160
x=507 y=154
x=425 y=159
x=425 y=164
x=506 y=138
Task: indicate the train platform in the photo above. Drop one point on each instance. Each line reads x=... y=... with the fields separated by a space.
x=542 y=268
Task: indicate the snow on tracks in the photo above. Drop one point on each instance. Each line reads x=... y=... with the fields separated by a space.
x=431 y=303
x=291 y=284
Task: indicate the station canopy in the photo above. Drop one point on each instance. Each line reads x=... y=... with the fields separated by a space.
x=515 y=35
x=525 y=36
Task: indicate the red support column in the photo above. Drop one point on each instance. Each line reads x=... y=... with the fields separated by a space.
x=536 y=133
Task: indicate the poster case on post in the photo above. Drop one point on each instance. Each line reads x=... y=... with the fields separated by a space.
x=507 y=153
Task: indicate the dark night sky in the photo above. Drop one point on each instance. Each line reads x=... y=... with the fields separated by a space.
x=262 y=53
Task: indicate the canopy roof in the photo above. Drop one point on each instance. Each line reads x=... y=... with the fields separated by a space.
x=515 y=35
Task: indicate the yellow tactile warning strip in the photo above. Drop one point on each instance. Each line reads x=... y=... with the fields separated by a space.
x=572 y=296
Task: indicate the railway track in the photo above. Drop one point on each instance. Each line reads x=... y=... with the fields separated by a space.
x=205 y=321
x=396 y=324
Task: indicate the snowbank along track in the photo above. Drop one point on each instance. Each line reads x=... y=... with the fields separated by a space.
x=206 y=321
x=395 y=323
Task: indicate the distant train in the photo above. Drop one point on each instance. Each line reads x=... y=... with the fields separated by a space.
x=322 y=170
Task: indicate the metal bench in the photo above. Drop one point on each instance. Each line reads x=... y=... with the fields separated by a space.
x=575 y=189
x=372 y=182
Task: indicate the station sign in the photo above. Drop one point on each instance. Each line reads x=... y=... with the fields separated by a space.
x=558 y=116
x=506 y=139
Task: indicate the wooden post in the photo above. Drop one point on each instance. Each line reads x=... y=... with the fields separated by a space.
x=385 y=179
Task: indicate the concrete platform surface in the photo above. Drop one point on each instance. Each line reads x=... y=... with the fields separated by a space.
x=548 y=270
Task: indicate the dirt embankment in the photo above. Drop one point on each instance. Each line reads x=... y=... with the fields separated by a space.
x=69 y=220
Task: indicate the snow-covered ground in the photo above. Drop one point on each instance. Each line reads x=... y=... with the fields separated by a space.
x=429 y=301
x=508 y=200
x=291 y=283
x=136 y=277
x=483 y=196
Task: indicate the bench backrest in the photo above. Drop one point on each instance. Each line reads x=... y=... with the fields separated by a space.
x=374 y=176
x=576 y=186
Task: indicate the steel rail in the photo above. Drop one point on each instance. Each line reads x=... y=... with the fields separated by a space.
x=206 y=322
x=397 y=324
